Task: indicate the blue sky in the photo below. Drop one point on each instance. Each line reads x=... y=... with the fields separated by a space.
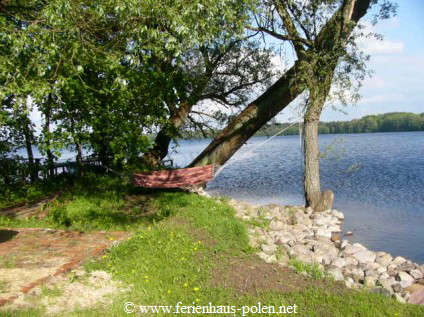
x=398 y=64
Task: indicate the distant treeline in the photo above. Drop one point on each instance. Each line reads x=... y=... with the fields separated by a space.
x=388 y=122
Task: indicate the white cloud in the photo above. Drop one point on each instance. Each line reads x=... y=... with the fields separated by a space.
x=381 y=47
x=375 y=82
x=383 y=98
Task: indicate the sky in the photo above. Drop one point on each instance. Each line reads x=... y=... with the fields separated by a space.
x=397 y=84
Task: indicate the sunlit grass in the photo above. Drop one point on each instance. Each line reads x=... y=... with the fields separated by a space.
x=173 y=255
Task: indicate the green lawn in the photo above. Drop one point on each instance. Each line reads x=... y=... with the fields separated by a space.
x=180 y=241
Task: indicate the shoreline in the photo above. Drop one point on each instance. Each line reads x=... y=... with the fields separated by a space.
x=286 y=233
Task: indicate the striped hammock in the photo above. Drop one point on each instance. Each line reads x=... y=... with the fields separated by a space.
x=174 y=178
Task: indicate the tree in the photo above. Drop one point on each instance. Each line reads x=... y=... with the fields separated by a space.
x=100 y=61
x=319 y=31
x=224 y=71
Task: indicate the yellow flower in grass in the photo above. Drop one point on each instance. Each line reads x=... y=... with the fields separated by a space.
x=185 y=284
x=196 y=289
x=169 y=291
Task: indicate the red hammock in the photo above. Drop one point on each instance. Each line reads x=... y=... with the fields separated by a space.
x=174 y=178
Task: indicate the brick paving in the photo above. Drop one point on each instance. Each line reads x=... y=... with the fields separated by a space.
x=30 y=256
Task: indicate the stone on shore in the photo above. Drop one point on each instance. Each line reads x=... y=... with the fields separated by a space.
x=307 y=236
x=404 y=279
x=364 y=256
x=416 y=274
x=417 y=298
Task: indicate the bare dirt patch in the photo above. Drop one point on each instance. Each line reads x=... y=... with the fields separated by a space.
x=33 y=256
x=252 y=275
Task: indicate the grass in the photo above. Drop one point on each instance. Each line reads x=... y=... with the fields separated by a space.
x=172 y=257
x=312 y=270
x=26 y=193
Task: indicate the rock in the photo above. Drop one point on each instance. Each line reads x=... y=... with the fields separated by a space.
x=392 y=271
x=336 y=273
x=416 y=274
x=364 y=256
x=357 y=274
x=370 y=272
x=320 y=222
x=348 y=233
x=407 y=267
x=399 y=298
x=334 y=229
x=309 y=210
x=344 y=244
x=380 y=290
x=417 y=298
x=276 y=225
x=269 y=248
x=323 y=232
x=370 y=281
x=339 y=215
x=353 y=248
x=305 y=258
x=387 y=283
x=397 y=288
x=300 y=249
x=384 y=260
x=404 y=279
x=384 y=275
x=373 y=266
x=339 y=262
x=283 y=238
x=414 y=288
x=271 y=259
x=399 y=260
x=351 y=261
x=381 y=270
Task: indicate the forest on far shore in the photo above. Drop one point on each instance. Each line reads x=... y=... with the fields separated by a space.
x=387 y=122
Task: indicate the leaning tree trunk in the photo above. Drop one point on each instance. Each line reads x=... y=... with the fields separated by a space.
x=251 y=119
x=284 y=91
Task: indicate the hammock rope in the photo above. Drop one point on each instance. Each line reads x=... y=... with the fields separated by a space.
x=244 y=155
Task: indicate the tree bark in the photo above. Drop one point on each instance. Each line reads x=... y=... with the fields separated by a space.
x=46 y=131
x=312 y=186
x=28 y=145
x=252 y=118
x=159 y=151
x=284 y=91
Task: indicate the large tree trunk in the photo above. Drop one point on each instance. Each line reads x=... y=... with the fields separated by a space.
x=311 y=183
x=284 y=91
x=251 y=119
x=159 y=151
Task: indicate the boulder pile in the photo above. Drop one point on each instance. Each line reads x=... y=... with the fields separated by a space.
x=282 y=233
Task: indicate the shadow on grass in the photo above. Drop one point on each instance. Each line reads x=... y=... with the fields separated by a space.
x=6 y=235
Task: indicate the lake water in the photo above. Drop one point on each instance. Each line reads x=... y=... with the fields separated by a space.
x=377 y=178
